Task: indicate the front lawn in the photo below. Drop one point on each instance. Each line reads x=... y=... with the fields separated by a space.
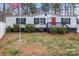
x=39 y=44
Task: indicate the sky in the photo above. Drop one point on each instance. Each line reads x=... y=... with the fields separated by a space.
x=38 y=5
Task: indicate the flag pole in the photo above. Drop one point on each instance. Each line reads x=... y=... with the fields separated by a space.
x=20 y=20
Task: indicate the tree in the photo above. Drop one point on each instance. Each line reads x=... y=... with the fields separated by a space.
x=3 y=14
x=57 y=8
x=69 y=8
x=32 y=7
x=25 y=8
x=8 y=11
x=51 y=9
x=45 y=7
x=73 y=7
x=28 y=8
x=65 y=6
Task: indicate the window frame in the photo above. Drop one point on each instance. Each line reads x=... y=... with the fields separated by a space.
x=23 y=20
x=68 y=20
x=36 y=20
x=41 y=21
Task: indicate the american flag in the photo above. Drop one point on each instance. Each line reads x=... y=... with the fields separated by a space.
x=14 y=5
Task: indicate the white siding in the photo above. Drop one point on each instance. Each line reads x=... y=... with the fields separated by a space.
x=10 y=21
x=2 y=29
x=29 y=20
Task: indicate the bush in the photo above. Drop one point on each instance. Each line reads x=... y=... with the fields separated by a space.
x=57 y=30
x=52 y=30
x=8 y=29
x=62 y=30
x=67 y=31
x=16 y=28
x=29 y=28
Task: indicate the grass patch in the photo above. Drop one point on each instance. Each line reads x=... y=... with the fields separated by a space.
x=66 y=45
x=73 y=38
x=71 y=53
x=54 y=44
x=7 y=42
x=48 y=44
x=33 y=39
x=11 y=51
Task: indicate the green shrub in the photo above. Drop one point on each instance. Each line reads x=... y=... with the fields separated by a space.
x=8 y=29
x=16 y=28
x=57 y=30
x=52 y=30
x=11 y=51
x=29 y=28
x=67 y=31
x=62 y=30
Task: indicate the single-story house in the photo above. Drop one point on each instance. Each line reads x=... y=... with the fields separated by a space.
x=43 y=21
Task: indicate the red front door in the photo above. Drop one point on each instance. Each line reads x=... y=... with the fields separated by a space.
x=53 y=20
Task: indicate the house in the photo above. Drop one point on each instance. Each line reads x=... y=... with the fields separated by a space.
x=44 y=20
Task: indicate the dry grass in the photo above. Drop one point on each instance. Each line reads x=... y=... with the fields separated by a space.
x=40 y=44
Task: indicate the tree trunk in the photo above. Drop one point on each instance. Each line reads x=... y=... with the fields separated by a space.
x=73 y=8
x=65 y=8
x=3 y=14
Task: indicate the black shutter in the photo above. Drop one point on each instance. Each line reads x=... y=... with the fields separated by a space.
x=69 y=21
x=34 y=20
x=44 y=20
x=16 y=20
x=24 y=20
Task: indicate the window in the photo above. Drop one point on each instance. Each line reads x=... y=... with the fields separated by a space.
x=39 y=21
x=42 y=21
x=66 y=20
x=21 y=20
x=77 y=21
x=36 y=20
